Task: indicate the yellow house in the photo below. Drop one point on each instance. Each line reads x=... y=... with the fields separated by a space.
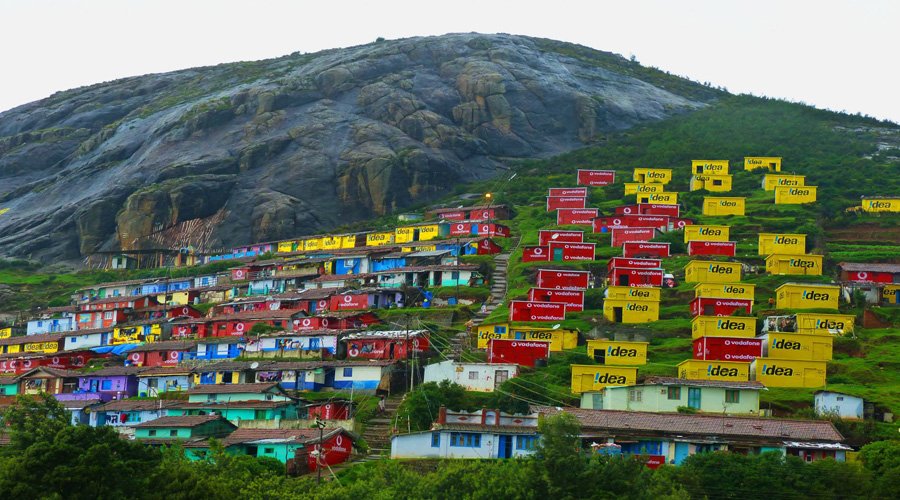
x=178 y=299
x=658 y=198
x=45 y=347
x=633 y=293
x=617 y=352
x=718 y=326
x=715 y=167
x=725 y=290
x=711 y=183
x=404 y=234
x=889 y=293
x=331 y=243
x=771 y=163
x=773 y=372
x=710 y=271
x=286 y=246
x=824 y=324
x=697 y=232
x=311 y=244
x=586 y=378
x=698 y=369
x=348 y=241
x=723 y=205
x=802 y=264
x=785 y=195
x=639 y=188
x=560 y=339
x=630 y=310
x=379 y=239
x=807 y=296
x=771 y=181
x=770 y=243
x=653 y=175
x=797 y=346
x=871 y=204
x=140 y=333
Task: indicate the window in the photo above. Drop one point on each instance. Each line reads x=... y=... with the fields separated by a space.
x=435 y=439
x=173 y=433
x=269 y=451
x=717 y=182
x=473 y=375
x=732 y=396
x=674 y=392
x=152 y=432
x=348 y=372
x=634 y=395
x=108 y=315
x=454 y=275
x=465 y=439
x=259 y=415
x=74 y=340
x=152 y=383
x=526 y=442
x=840 y=398
x=499 y=329
x=106 y=385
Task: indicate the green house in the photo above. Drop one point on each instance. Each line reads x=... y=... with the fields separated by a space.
x=667 y=394
x=9 y=386
x=249 y=412
x=166 y=430
x=229 y=393
x=285 y=444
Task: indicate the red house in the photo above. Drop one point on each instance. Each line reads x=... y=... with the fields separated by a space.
x=620 y=236
x=870 y=272
x=636 y=263
x=603 y=224
x=545 y=236
x=726 y=248
x=396 y=344
x=105 y=313
x=333 y=409
x=642 y=249
x=576 y=216
x=640 y=277
x=520 y=352
x=241 y=323
x=712 y=306
x=166 y=353
x=727 y=349
x=535 y=254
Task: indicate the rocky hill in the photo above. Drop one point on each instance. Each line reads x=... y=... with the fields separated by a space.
x=258 y=151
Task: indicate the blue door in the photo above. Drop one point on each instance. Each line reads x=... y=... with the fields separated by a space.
x=557 y=254
x=682 y=450
x=314 y=344
x=504 y=446
x=694 y=397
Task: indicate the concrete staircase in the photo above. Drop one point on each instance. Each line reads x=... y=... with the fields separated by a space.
x=378 y=429
x=499 y=285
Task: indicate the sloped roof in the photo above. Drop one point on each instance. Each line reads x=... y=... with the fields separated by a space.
x=138 y=405
x=874 y=268
x=166 y=345
x=285 y=436
x=320 y=293
x=181 y=421
x=160 y=371
x=28 y=339
x=749 y=384
x=231 y=388
x=709 y=425
x=341 y=277
x=114 y=371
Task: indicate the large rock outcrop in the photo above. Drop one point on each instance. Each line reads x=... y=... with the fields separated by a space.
x=303 y=143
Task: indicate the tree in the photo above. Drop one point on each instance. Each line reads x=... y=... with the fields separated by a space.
x=34 y=419
x=423 y=404
x=559 y=450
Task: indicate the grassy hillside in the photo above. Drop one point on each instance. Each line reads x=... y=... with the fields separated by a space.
x=845 y=156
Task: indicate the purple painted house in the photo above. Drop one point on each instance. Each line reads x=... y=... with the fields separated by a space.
x=115 y=382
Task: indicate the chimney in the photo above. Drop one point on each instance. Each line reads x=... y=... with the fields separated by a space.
x=442 y=415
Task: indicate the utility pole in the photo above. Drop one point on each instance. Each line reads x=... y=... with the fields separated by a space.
x=321 y=425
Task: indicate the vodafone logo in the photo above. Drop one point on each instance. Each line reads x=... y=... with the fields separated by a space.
x=528 y=305
x=78 y=361
x=681 y=223
x=323 y=304
x=460 y=227
x=353 y=352
x=239 y=327
x=135 y=357
x=617 y=222
x=274 y=306
x=55 y=360
x=184 y=311
x=626 y=210
x=27 y=363
x=485 y=215
x=324 y=322
x=339 y=440
x=306 y=322
x=348 y=299
x=862 y=275
x=173 y=355
x=515 y=344
x=182 y=330
x=239 y=274
x=415 y=343
x=539 y=251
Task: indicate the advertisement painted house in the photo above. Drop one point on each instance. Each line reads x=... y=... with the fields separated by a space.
x=722 y=248
x=698 y=369
x=711 y=183
x=706 y=233
x=587 y=378
x=630 y=310
x=565 y=251
x=880 y=204
x=573 y=299
x=788 y=372
x=794 y=264
x=770 y=243
x=708 y=271
x=521 y=310
x=725 y=290
x=714 y=306
x=639 y=188
x=563 y=279
x=596 y=177
x=786 y=195
x=622 y=235
x=770 y=163
x=545 y=236
x=652 y=175
x=797 y=346
x=640 y=249
x=720 y=206
x=617 y=352
x=520 y=352
x=576 y=216
x=807 y=296
x=727 y=349
x=771 y=181
x=709 y=167
x=657 y=198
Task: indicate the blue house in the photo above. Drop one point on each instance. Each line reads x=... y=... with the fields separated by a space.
x=219 y=348
x=160 y=379
x=51 y=325
x=845 y=406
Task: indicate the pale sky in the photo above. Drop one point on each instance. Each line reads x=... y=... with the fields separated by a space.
x=835 y=54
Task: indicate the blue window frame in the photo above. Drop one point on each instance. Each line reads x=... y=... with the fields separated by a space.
x=348 y=372
x=106 y=385
x=435 y=439
x=499 y=329
x=526 y=442
x=465 y=440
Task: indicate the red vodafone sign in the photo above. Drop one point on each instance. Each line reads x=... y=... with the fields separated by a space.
x=563 y=251
x=580 y=191
x=460 y=229
x=520 y=352
x=654 y=461
x=573 y=299
x=712 y=248
x=460 y=215
x=557 y=202
x=349 y=302
x=622 y=235
x=596 y=177
x=522 y=310
x=634 y=263
x=545 y=236
x=727 y=349
x=576 y=216
x=535 y=254
x=657 y=209
x=645 y=249
x=556 y=279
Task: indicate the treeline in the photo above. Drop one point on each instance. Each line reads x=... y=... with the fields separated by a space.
x=47 y=458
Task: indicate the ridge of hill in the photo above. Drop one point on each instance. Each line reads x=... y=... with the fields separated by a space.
x=274 y=149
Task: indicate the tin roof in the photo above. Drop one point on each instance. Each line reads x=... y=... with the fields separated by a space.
x=320 y=293
x=285 y=436
x=114 y=371
x=257 y=315
x=28 y=339
x=709 y=425
x=166 y=345
x=137 y=405
x=182 y=421
x=341 y=277
x=231 y=388
x=873 y=268
x=505 y=429
x=703 y=383
x=386 y=334
x=162 y=371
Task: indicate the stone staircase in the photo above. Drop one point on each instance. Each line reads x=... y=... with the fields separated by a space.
x=378 y=429
x=499 y=285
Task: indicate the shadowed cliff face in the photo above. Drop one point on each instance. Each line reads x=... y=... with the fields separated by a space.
x=279 y=148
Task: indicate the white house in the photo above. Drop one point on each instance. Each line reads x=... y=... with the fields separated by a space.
x=482 y=377
x=46 y=324
x=480 y=434
x=840 y=404
x=85 y=339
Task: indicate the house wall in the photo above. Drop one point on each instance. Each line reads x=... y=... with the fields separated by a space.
x=164 y=384
x=217 y=351
x=358 y=377
x=420 y=445
x=162 y=433
x=85 y=341
x=482 y=380
x=118 y=386
x=52 y=325
x=846 y=407
x=655 y=399
x=9 y=389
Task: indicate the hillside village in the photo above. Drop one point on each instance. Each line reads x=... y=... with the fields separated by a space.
x=304 y=350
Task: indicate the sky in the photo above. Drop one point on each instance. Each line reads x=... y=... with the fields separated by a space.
x=835 y=54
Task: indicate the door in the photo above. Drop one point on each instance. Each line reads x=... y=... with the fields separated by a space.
x=617 y=314
x=438 y=278
x=93 y=386
x=623 y=280
x=557 y=254
x=709 y=310
x=694 y=397
x=600 y=356
x=500 y=376
x=504 y=446
x=682 y=450
x=391 y=351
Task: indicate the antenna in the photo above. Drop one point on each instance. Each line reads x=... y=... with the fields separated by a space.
x=254 y=365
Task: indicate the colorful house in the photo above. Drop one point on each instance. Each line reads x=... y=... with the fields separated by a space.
x=9 y=386
x=167 y=430
x=771 y=181
x=50 y=324
x=394 y=344
x=124 y=414
x=49 y=380
x=770 y=163
x=787 y=195
x=85 y=339
x=668 y=394
x=672 y=437
x=711 y=183
x=709 y=271
x=160 y=379
x=586 y=378
x=166 y=353
x=303 y=344
x=880 y=204
x=212 y=348
x=770 y=243
x=720 y=206
x=794 y=265
x=807 y=296
x=115 y=382
x=481 y=377
x=303 y=449
x=845 y=406
x=482 y=434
